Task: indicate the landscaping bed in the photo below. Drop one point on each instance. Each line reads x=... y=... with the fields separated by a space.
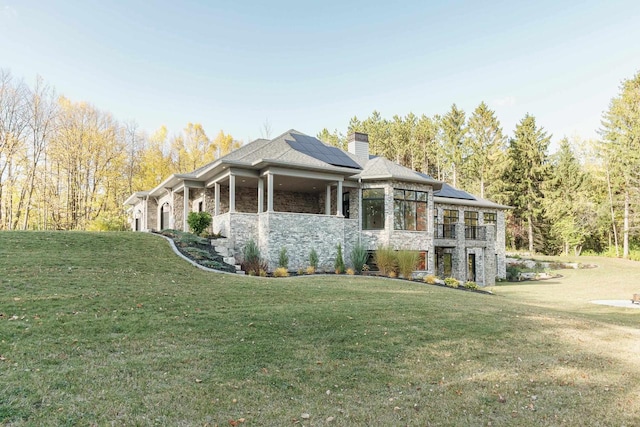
x=198 y=249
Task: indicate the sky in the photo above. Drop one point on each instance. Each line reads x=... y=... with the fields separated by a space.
x=238 y=65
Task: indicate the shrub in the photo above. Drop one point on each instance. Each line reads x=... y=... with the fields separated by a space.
x=386 y=260
x=338 y=265
x=281 y=272
x=351 y=271
x=430 y=279
x=311 y=270
x=313 y=259
x=452 y=282
x=262 y=272
x=470 y=285
x=283 y=259
x=198 y=222
x=359 y=257
x=393 y=274
x=252 y=263
x=407 y=262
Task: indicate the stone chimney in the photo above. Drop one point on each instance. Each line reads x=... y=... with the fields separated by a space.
x=359 y=145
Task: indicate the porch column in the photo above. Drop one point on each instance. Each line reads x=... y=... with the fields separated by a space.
x=185 y=209
x=327 y=201
x=269 y=192
x=146 y=215
x=216 y=199
x=232 y=193
x=339 y=199
x=260 y=195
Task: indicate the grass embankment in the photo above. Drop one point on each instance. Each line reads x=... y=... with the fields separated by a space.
x=115 y=329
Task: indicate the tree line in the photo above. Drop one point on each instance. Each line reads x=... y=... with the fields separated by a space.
x=67 y=165
x=584 y=196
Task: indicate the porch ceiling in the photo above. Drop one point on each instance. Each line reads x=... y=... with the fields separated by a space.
x=283 y=183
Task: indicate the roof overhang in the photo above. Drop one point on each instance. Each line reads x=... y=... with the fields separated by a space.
x=474 y=203
x=437 y=185
x=136 y=197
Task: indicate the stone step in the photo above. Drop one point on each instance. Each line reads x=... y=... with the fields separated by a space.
x=223 y=251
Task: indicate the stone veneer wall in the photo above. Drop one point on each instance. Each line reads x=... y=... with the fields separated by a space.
x=485 y=250
x=399 y=239
x=299 y=233
x=152 y=214
x=178 y=211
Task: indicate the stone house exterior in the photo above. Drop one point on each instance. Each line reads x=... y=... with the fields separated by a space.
x=296 y=192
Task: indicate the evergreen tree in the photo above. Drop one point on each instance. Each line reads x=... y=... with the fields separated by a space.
x=527 y=170
x=621 y=147
x=487 y=150
x=566 y=200
x=454 y=135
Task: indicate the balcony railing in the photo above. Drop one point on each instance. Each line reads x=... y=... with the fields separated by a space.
x=475 y=232
x=471 y=232
x=445 y=231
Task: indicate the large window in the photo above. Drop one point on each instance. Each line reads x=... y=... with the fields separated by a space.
x=373 y=209
x=410 y=210
x=449 y=220
x=471 y=225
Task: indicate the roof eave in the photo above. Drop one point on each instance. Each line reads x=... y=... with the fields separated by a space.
x=477 y=203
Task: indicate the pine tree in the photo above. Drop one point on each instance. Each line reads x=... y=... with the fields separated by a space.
x=454 y=135
x=621 y=146
x=487 y=150
x=527 y=170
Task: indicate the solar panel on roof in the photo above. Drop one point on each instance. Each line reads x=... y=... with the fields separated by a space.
x=313 y=147
x=453 y=193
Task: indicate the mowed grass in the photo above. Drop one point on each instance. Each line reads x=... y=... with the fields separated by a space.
x=113 y=329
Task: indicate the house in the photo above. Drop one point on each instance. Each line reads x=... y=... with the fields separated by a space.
x=296 y=192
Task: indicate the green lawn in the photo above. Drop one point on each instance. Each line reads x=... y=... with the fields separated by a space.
x=113 y=329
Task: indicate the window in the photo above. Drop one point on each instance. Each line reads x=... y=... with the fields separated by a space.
x=449 y=220
x=490 y=218
x=373 y=209
x=345 y=205
x=200 y=206
x=471 y=224
x=422 y=260
x=410 y=210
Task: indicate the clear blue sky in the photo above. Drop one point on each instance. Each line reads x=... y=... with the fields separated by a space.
x=232 y=65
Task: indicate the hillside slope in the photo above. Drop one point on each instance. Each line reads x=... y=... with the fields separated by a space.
x=114 y=328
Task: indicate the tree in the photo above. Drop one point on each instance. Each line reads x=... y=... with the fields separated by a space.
x=454 y=134
x=621 y=148
x=336 y=139
x=526 y=173
x=486 y=149
x=225 y=143
x=566 y=200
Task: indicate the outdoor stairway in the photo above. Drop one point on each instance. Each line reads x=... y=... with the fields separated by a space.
x=225 y=248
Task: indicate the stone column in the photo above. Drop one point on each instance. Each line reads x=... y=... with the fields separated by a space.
x=232 y=193
x=185 y=209
x=327 y=201
x=460 y=254
x=490 y=268
x=216 y=199
x=339 y=199
x=269 y=192
x=260 y=195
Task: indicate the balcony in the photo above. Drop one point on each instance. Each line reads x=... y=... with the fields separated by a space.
x=475 y=232
x=445 y=231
